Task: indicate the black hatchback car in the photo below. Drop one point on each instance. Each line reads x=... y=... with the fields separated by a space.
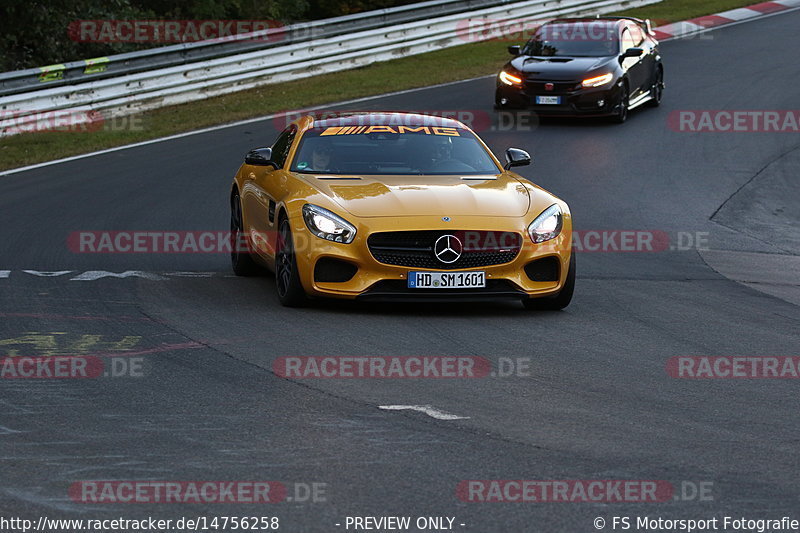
x=584 y=66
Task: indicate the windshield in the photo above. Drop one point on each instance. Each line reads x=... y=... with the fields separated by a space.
x=580 y=39
x=392 y=150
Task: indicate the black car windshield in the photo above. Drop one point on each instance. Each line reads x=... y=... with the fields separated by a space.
x=395 y=149
x=579 y=39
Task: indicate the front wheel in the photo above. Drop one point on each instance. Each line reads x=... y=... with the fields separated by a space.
x=657 y=90
x=622 y=109
x=287 y=277
x=560 y=300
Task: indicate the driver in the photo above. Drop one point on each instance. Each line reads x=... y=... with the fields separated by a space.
x=321 y=158
x=442 y=149
x=437 y=150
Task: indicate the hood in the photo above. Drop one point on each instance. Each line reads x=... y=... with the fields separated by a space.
x=393 y=196
x=558 y=68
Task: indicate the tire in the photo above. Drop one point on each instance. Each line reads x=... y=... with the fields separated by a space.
x=657 y=90
x=622 y=113
x=287 y=277
x=560 y=300
x=242 y=262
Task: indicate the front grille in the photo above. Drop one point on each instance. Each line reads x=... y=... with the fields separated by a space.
x=415 y=249
x=559 y=87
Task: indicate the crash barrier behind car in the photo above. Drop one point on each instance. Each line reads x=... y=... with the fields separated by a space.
x=120 y=85
x=167 y=56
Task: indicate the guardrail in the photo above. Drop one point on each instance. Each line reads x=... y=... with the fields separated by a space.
x=168 y=56
x=158 y=87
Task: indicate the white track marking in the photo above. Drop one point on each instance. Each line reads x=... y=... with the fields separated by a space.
x=738 y=14
x=427 y=409
x=93 y=275
x=42 y=274
x=677 y=29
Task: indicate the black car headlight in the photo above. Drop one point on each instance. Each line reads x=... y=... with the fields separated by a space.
x=510 y=76
x=597 y=81
x=547 y=225
x=327 y=225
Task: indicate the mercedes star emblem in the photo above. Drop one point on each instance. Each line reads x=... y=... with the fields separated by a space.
x=448 y=249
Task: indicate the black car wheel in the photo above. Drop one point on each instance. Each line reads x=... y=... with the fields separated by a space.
x=622 y=109
x=560 y=300
x=287 y=277
x=657 y=90
x=241 y=260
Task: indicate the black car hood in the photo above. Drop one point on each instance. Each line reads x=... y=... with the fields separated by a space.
x=559 y=68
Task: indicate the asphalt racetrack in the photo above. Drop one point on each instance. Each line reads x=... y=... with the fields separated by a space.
x=197 y=398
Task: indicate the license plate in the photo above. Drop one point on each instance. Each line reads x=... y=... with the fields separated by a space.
x=548 y=100
x=446 y=280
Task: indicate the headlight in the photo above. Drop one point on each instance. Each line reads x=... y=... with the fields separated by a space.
x=547 y=225
x=327 y=225
x=509 y=79
x=597 y=81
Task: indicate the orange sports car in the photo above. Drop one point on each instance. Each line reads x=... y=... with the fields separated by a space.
x=398 y=206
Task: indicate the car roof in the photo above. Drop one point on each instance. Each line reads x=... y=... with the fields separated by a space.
x=379 y=118
x=609 y=20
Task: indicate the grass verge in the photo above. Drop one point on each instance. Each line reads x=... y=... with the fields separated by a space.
x=450 y=64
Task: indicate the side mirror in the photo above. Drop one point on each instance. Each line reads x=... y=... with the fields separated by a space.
x=517 y=158
x=514 y=50
x=633 y=52
x=261 y=157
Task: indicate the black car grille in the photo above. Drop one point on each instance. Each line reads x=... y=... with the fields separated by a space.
x=415 y=249
x=559 y=87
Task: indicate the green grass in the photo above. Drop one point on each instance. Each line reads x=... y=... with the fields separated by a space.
x=450 y=64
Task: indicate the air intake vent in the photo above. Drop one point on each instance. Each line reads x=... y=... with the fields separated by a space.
x=546 y=269
x=330 y=270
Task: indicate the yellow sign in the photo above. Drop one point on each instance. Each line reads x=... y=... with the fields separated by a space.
x=357 y=130
x=96 y=65
x=51 y=73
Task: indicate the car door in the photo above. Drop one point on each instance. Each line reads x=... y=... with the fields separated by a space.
x=635 y=66
x=260 y=195
x=649 y=58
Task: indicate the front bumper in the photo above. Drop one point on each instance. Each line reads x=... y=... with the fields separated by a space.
x=574 y=99
x=379 y=281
